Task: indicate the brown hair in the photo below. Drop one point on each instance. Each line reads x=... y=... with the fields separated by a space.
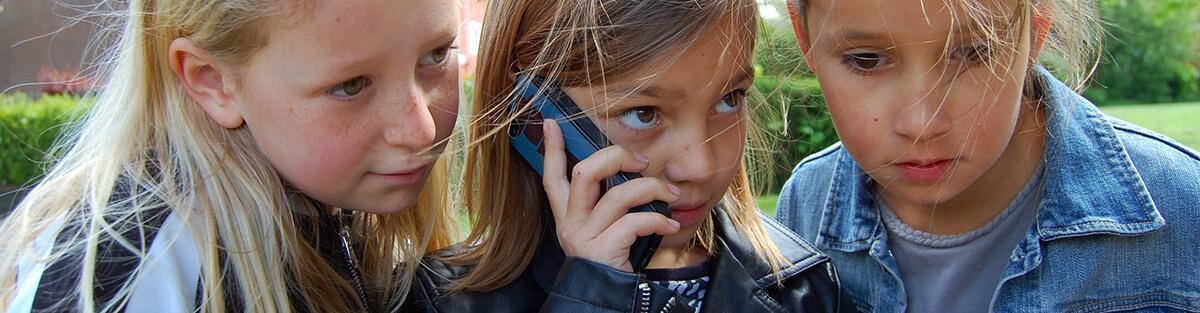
x=1073 y=42
x=573 y=43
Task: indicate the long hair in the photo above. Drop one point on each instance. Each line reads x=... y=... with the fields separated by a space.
x=575 y=43
x=145 y=137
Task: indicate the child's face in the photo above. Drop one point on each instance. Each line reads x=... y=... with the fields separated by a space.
x=913 y=94
x=344 y=101
x=688 y=120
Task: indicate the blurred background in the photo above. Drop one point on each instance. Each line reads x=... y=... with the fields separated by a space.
x=1149 y=74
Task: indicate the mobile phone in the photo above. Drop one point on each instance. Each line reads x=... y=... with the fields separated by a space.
x=581 y=139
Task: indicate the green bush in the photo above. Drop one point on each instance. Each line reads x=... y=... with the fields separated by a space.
x=1152 y=53
x=28 y=128
x=797 y=123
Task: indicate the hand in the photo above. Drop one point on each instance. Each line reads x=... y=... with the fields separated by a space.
x=599 y=228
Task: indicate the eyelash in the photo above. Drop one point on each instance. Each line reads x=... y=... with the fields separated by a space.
x=975 y=53
x=736 y=97
x=332 y=91
x=849 y=59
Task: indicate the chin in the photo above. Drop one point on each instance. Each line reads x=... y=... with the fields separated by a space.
x=680 y=239
x=396 y=205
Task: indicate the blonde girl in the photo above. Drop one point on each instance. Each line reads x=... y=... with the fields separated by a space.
x=667 y=82
x=247 y=156
x=972 y=179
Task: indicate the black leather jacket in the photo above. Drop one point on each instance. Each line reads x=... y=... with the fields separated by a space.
x=741 y=282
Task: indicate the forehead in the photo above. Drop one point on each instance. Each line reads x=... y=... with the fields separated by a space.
x=356 y=30
x=914 y=21
x=717 y=58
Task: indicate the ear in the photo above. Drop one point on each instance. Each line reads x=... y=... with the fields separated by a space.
x=204 y=82
x=1043 y=19
x=800 y=30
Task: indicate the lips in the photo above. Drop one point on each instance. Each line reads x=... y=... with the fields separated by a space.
x=925 y=171
x=688 y=213
x=405 y=177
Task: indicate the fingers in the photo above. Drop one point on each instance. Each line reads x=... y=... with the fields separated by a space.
x=554 y=170
x=588 y=174
x=620 y=235
x=621 y=198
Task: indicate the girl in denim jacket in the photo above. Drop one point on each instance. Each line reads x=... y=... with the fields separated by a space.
x=971 y=179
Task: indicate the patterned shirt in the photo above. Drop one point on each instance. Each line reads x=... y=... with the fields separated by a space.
x=689 y=282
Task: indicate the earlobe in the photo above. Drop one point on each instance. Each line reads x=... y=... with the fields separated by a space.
x=204 y=82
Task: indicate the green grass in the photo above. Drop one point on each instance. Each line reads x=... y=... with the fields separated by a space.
x=766 y=204
x=1180 y=121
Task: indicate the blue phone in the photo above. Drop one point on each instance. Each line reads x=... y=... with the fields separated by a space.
x=581 y=138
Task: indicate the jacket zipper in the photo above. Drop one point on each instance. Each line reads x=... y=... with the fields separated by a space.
x=643 y=303
x=356 y=278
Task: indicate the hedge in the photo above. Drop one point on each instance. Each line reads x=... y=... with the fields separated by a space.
x=28 y=128
x=806 y=129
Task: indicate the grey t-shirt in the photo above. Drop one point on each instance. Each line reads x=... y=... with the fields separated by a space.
x=960 y=273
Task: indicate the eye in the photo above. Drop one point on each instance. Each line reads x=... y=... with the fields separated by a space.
x=436 y=56
x=639 y=118
x=866 y=62
x=975 y=53
x=732 y=102
x=349 y=88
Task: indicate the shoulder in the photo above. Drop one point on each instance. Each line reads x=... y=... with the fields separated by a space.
x=798 y=251
x=821 y=161
x=148 y=250
x=802 y=199
x=431 y=289
x=1145 y=145
x=1170 y=170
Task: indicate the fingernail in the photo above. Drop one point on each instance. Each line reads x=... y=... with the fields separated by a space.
x=546 y=125
x=641 y=158
x=674 y=223
x=674 y=190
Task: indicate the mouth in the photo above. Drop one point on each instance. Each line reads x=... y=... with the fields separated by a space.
x=688 y=213
x=404 y=177
x=926 y=170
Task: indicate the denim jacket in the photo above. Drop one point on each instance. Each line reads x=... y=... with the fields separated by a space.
x=1117 y=228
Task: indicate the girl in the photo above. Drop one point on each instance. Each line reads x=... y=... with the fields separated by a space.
x=666 y=81
x=243 y=157
x=970 y=179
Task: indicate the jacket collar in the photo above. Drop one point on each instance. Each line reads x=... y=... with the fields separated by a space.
x=741 y=275
x=1091 y=185
x=737 y=270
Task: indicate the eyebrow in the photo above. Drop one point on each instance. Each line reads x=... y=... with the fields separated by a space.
x=652 y=91
x=848 y=34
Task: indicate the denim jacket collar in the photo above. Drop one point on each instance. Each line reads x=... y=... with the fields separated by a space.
x=1091 y=185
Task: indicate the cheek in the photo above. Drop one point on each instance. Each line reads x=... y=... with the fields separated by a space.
x=728 y=144
x=859 y=123
x=312 y=148
x=992 y=117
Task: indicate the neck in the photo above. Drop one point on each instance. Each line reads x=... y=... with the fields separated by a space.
x=989 y=195
x=677 y=256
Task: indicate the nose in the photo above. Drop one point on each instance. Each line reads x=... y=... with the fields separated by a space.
x=411 y=124
x=923 y=115
x=695 y=158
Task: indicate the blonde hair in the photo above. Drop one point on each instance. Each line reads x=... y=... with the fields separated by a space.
x=145 y=138
x=1072 y=43
x=574 y=43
